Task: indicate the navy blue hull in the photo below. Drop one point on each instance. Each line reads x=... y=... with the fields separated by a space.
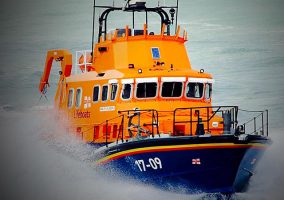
x=188 y=167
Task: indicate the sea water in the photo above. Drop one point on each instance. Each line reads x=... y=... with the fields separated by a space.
x=240 y=42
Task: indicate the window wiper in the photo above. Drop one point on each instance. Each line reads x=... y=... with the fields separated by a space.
x=145 y=90
x=172 y=93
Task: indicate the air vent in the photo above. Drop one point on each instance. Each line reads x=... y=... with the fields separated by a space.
x=102 y=49
x=100 y=74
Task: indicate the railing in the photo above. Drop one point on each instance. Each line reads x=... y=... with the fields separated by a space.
x=129 y=34
x=82 y=65
x=195 y=117
x=130 y=114
x=258 y=124
x=229 y=115
x=120 y=129
x=133 y=113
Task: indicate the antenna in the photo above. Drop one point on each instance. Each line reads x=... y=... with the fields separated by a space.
x=93 y=32
x=127 y=3
x=176 y=17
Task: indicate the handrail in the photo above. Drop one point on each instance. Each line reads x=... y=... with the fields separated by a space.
x=107 y=122
x=154 y=116
x=201 y=115
x=104 y=17
x=208 y=117
x=255 y=121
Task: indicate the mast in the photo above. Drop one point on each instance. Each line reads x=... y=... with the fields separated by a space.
x=93 y=32
x=135 y=6
x=176 y=16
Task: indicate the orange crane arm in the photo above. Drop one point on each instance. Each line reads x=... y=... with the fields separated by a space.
x=65 y=57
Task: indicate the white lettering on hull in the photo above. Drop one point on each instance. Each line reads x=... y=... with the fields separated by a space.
x=107 y=108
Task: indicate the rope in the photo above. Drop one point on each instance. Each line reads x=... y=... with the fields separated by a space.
x=43 y=93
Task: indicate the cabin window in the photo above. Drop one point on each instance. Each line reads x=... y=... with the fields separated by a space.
x=194 y=90
x=70 y=98
x=105 y=93
x=113 y=92
x=126 y=91
x=78 y=97
x=172 y=89
x=146 y=90
x=208 y=90
x=96 y=93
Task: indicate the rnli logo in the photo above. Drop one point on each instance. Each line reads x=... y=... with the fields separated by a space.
x=87 y=102
x=196 y=161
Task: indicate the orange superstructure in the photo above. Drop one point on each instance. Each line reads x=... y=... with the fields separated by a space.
x=134 y=77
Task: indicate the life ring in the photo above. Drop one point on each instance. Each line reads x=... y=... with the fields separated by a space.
x=82 y=63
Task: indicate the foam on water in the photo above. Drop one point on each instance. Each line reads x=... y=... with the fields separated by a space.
x=268 y=181
x=40 y=161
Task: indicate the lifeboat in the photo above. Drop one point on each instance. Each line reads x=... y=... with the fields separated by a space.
x=148 y=114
